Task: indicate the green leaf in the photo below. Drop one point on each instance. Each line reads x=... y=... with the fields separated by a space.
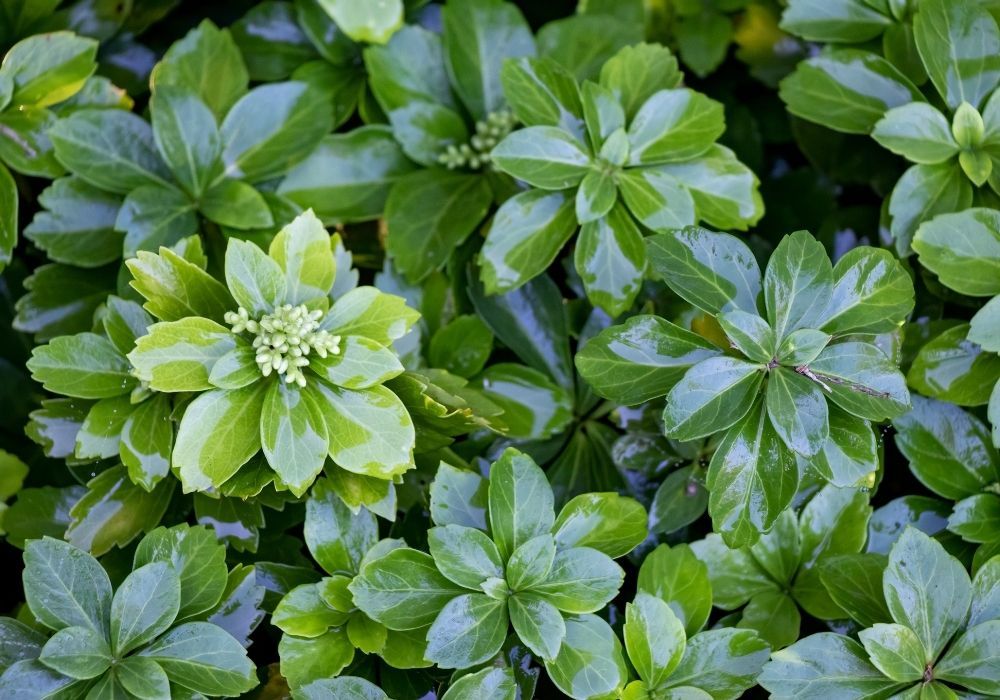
x=895 y=650
x=854 y=583
x=963 y=250
x=702 y=41
x=199 y=560
x=303 y=613
x=49 y=68
x=402 y=589
x=715 y=272
x=293 y=435
x=109 y=148
x=370 y=313
x=520 y=502
x=153 y=216
x=77 y=225
x=611 y=260
x=872 y=293
x=923 y=192
x=180 y=355
x=774 y=616
x=462 y=346
x=607 y=522
x=85 y=366
x=271 y=128
x=496 y=683
x=337 y=538
x=657 y=199
x=534 y=408
x=752 y=478
x=203 y=658
x=531 y=562
x=8 y=221
x=581 y=580
x=724 y=662
x=65 y=587
x=654 y=638
x=948 y=449
x=959 y=45
x=595 y=197
x=543 y=156
x=479 y=35
x=824 y=665
x=77 y=652
x=953 y=369
x=590 y=663
x=711 y=396
x=175 y=288
x=348 y=177
x=849 y=21
x=798 y=411
x=207 y=61
x=541 y=92
x=750 y=334
x=145 y=605
x=636 y=73
x=464 y=555
x=527 y=233
x=859 y=378
x=31 y=678
x=114 y=511
x=603 y=113
x=370 y=23
x=674 y=125
x=236 y=204
x=798 y=283
x=918 y=132
x=142 y=677
x=186 y=135
x=678 y=578
x=640 y=359
x=926 y=590
x=369 y=430
x=846 y=90
x=255 y=280
x=307 y=660
x=219 y=433
x=430 y=213
x=347 y=688
x=458 y=497
x=976 y=518
x=469 y=630
x=302 y=250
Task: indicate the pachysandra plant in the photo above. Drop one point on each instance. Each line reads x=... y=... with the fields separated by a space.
x=612 y=159
x=274 y=365
x=770 y=580
x=512 y=563
x=957 y=42
x=444 y=101
x=321 y=624
x=962 y=250
x=787 y=370
x=37 y=73
x=152 y=637
x=940 y=642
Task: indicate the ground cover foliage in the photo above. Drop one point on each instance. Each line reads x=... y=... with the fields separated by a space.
x=493 y=350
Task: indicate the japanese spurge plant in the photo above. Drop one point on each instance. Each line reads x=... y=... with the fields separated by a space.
x=619 y=156
x=941 y=640
x=289 y=374
x=514 y=563
x=792 y=372
x=147 y=639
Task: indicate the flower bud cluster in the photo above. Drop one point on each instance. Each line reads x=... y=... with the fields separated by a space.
x=476 y=154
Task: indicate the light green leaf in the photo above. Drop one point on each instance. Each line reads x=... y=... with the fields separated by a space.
x=179 y=355
x=798 y=283
x=85 y=366
x=302 y=250
x=8 y=220
x=658 y=200
x=541 y=92
x=872 y=293
x=895 y=650
x=77 y=652
x=65 y=587
x=923 y=192
x=543 y=156
x=372 y=22
x=469 y=630
x=302 y=612
x=674 y=125
x=219 y=433
x=951 y=368
x=49 y=68
x=918 y=132
x=590 y=663
x=520 y=502
x=725 y=191
x=798 y=411
x=494 y=683
x=237 y=205
x=142 y=677
x=203 y=658
x=308 y=660
x=859 y=378
x=186 y=135
x=610 y=258
x=458 y=497
x=636 y=73
x=255 y=280
x=595 y=197
x=175 y=288
x=848 y=21
x=681 y=580
x=581 y=580
x=533 y=407
x=527 y=233
x=464 y=555
x=654 y=638
x=337 y=538
x=293 y=435
x=963 y=250
x=750 y=334
x=972 y=659
x=368 y=312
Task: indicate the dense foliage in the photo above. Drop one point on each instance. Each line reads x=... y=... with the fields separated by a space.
x=495 y=349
